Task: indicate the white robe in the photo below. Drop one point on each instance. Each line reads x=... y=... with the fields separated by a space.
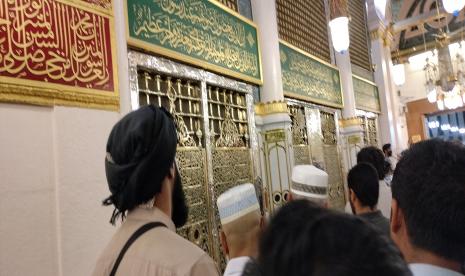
x=236 y=266
x=431 y=270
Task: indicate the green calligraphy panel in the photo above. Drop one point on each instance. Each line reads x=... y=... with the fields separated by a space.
x=307 y=78
x=366 y=95
x=200 y=32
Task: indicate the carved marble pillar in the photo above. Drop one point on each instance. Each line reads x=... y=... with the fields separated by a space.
x=381 y=37
x=350 y=129
x=272 y=119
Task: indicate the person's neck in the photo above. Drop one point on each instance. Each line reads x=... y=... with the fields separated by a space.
x=425 y=257
x=247 y=251
x=364 y=210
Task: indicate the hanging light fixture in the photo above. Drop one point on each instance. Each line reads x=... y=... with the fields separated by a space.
x=399 y=74
x=453 y=6
x=445 y=83
x=339 y=27
x=440 y=102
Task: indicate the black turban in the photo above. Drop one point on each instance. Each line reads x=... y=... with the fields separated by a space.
x=140 y=152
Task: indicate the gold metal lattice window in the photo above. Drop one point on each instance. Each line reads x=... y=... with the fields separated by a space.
x=302 y=23
x=216 y=146
x=181 y=98
x=359 y=51
x=370 y=131
x=228 y=117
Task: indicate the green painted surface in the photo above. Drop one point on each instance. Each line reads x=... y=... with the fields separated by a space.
x=196 y=31
x=307 y=78
x=366 y=95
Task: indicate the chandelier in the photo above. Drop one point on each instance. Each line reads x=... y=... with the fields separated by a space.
x=445 y=83
x=453 y=6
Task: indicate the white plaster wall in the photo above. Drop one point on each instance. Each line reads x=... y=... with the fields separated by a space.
x=28 y=233
x=80 y=140
x=52 y=182
x=414 y=86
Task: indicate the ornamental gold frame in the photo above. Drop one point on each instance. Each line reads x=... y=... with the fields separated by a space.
x=374 y=84
x=308 y=98
x=195 y=61
x=168 y=67
x=25 y=91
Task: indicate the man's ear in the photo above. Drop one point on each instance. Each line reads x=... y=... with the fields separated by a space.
x=172 y=172
x=224 y=243
x=352 y=196
x=262 y=223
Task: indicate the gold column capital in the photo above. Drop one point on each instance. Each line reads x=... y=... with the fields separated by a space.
x=271 y=107
x=384 y=33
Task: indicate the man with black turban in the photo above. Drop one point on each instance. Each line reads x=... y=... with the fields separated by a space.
x=147 y=194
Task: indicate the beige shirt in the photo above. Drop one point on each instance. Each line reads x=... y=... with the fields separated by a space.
x=159 y=252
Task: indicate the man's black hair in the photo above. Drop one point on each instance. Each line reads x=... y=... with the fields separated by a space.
x=375 y=157
x=363 y=180
x=386 y=147
x=429 y=187
x=304 y=239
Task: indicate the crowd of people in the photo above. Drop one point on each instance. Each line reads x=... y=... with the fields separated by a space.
x=404 y=221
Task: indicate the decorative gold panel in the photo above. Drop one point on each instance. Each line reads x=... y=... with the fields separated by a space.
x=372 y=132
x=332 y=160
x=302 y=23
x=299 y=135
x=328 y=128
x=336 y=193
x=301 y=155
x=359 y=51
x=231 y=167
x=192 y=167
x=276 y=145
x=231 y=157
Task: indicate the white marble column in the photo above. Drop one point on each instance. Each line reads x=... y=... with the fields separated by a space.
x=122 y=58
x=351 y=131
x=345 y=71
x=264 y=15
x=272 y=120
x=390 y=128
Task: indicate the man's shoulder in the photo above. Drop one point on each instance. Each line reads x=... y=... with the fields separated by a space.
x=174 y=242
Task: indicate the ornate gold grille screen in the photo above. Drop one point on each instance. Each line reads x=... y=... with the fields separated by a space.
x=213 y=116
x=302 y=23
x=314 y=137
x=370 y=131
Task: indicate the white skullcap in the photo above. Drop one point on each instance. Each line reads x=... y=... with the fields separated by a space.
x=310 y=182
x=237 y=202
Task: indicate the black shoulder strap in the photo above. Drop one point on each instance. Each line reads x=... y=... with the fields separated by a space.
x=144 y=228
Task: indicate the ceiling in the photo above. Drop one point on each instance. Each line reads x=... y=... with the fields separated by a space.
x=411 y=39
